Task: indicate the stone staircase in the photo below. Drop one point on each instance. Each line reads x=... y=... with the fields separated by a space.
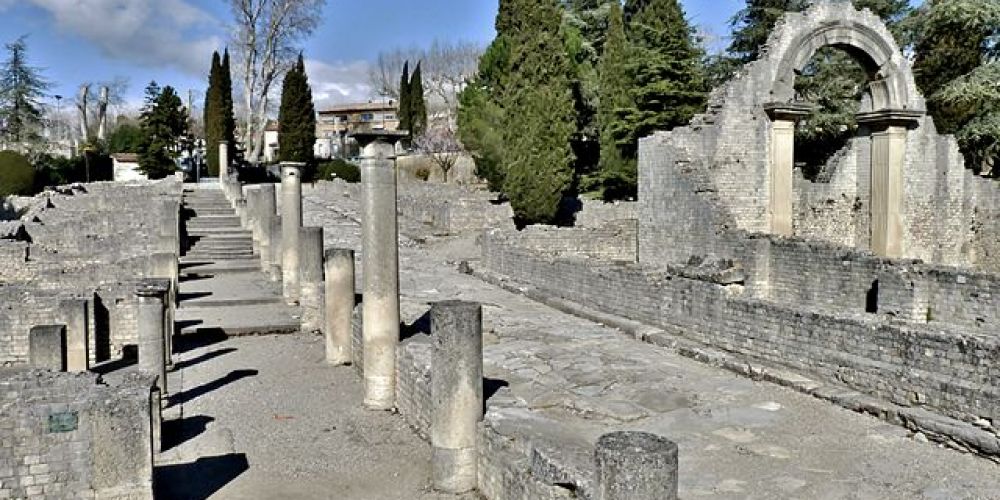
x=222 y=288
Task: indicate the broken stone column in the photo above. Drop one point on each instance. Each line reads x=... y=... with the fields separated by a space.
x=152 y=358
x=889 y=129
x=165 y=266
x=223 y=161
x=635 y=466
x=380 y=268
x=456 y=394
x=272 y=263
x=782 y=152
x=47 y=347
x=74 y=313
x=291 y=222
x=311 y=274
x=339 y=296
x=261 y=212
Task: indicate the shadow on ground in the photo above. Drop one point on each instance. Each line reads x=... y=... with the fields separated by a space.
x=233 y=376
x=200 y=479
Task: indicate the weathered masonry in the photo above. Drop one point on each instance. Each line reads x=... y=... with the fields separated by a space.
x=898 y=189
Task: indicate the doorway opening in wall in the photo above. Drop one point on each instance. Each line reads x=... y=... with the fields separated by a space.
x=871 y=299
x=836 y=83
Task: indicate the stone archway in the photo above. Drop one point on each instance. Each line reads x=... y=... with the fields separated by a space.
x=895 y=107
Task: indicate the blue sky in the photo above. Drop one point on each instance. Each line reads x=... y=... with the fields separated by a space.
x=171 y=41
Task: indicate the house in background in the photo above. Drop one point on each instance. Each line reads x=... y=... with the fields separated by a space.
x=271 y=141
x=336 y=123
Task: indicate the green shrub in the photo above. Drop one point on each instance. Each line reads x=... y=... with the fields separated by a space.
x=423 y=173
x=339 y=169
x=17 y=176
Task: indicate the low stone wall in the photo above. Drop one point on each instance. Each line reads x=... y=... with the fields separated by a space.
x=71 y=436
x=453 y=208
x=596 y=213
x=946 y=369
x=613 y=241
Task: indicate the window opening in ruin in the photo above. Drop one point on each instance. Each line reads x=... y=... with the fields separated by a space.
x=835 y=82
x=871 y=300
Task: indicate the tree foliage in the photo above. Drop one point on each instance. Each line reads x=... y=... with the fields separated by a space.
x=125 y=138
x=17 y=176
x=21 y=91
x=480 y=115
x=164 y=122
x=214 y=102
x=539 y=119
x=297 y=117
x=405 y=121
x=417 y=104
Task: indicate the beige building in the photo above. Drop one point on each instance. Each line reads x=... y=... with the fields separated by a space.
x=336 y=123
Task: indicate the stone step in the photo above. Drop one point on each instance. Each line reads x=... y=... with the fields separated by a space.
x=230 y=302
x=222 y=255
x=214 y=219
x=193 y=266
x=259 y=319
x=217 y=231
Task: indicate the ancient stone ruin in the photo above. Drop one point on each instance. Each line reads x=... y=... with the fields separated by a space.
x=189 y=340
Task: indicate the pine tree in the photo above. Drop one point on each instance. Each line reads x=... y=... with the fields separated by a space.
x=418 y=107
x=214 y=102
x=228 y=116
x=21 y=91
x=297 y=118
x=665 y=70
x=539 y=119
x=405 y=122
x=164 y=121
x=480 y=114
x=957 y=67
x=752 y=25
x=617 y=175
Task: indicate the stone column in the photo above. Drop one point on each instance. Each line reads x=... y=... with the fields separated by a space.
x=47 y=347
x=889 y=128
x=291 y=222
x=380 y=268
x=168 y=232
x=262 y=213
x=252 y=195
x=74 y=313
x=782 y=161
x=635 y=465
x=223 y=161
x=165 y=267
x=456 y=394
x=311 y=277
x=272 y=264
x=339 y=305
x=152 y=358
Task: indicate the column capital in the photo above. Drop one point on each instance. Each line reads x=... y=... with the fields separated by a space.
x=291 y=168
x=379 y=144
x=885 y=118
x=788 y=111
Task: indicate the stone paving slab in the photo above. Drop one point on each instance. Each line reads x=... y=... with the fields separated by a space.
x=570 y=380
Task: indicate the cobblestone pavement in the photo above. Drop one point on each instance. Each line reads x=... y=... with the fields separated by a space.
x=570 y=380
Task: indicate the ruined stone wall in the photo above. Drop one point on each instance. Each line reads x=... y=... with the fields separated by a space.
x=614 y=241
x=70 y=436
x=712 y=176
x=596 y=213
x=948 y=369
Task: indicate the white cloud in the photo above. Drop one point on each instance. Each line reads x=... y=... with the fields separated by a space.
x=338 y=83
x=146 y=32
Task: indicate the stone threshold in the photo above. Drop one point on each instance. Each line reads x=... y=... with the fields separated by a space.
x=950 y=432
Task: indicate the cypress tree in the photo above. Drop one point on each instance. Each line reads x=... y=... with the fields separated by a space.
x=665 y=70
x=418 y=107
x=297 y=118
x=539 y=119
x=214 y=103
x=480 y=113
x=405 y=121
x=228 y=116
x=617 y=174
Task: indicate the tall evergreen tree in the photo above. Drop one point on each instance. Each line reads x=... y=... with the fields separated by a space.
x=539 y=119
x=418 y=106
x=297 y=117
x=228 y=116
x=617 y=175
x=213 y=111
x=665 y=70
x=480 y=114
x=21 y=91
x=164 y=120
x=405 y=120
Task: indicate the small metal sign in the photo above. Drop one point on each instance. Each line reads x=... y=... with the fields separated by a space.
x=66 y=421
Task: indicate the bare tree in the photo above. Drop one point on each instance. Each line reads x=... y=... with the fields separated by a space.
x=446 y=67
x=441 y=144
x=110 y=94
x=266 y=33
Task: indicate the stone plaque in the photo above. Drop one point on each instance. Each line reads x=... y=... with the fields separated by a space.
x=66 y=421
